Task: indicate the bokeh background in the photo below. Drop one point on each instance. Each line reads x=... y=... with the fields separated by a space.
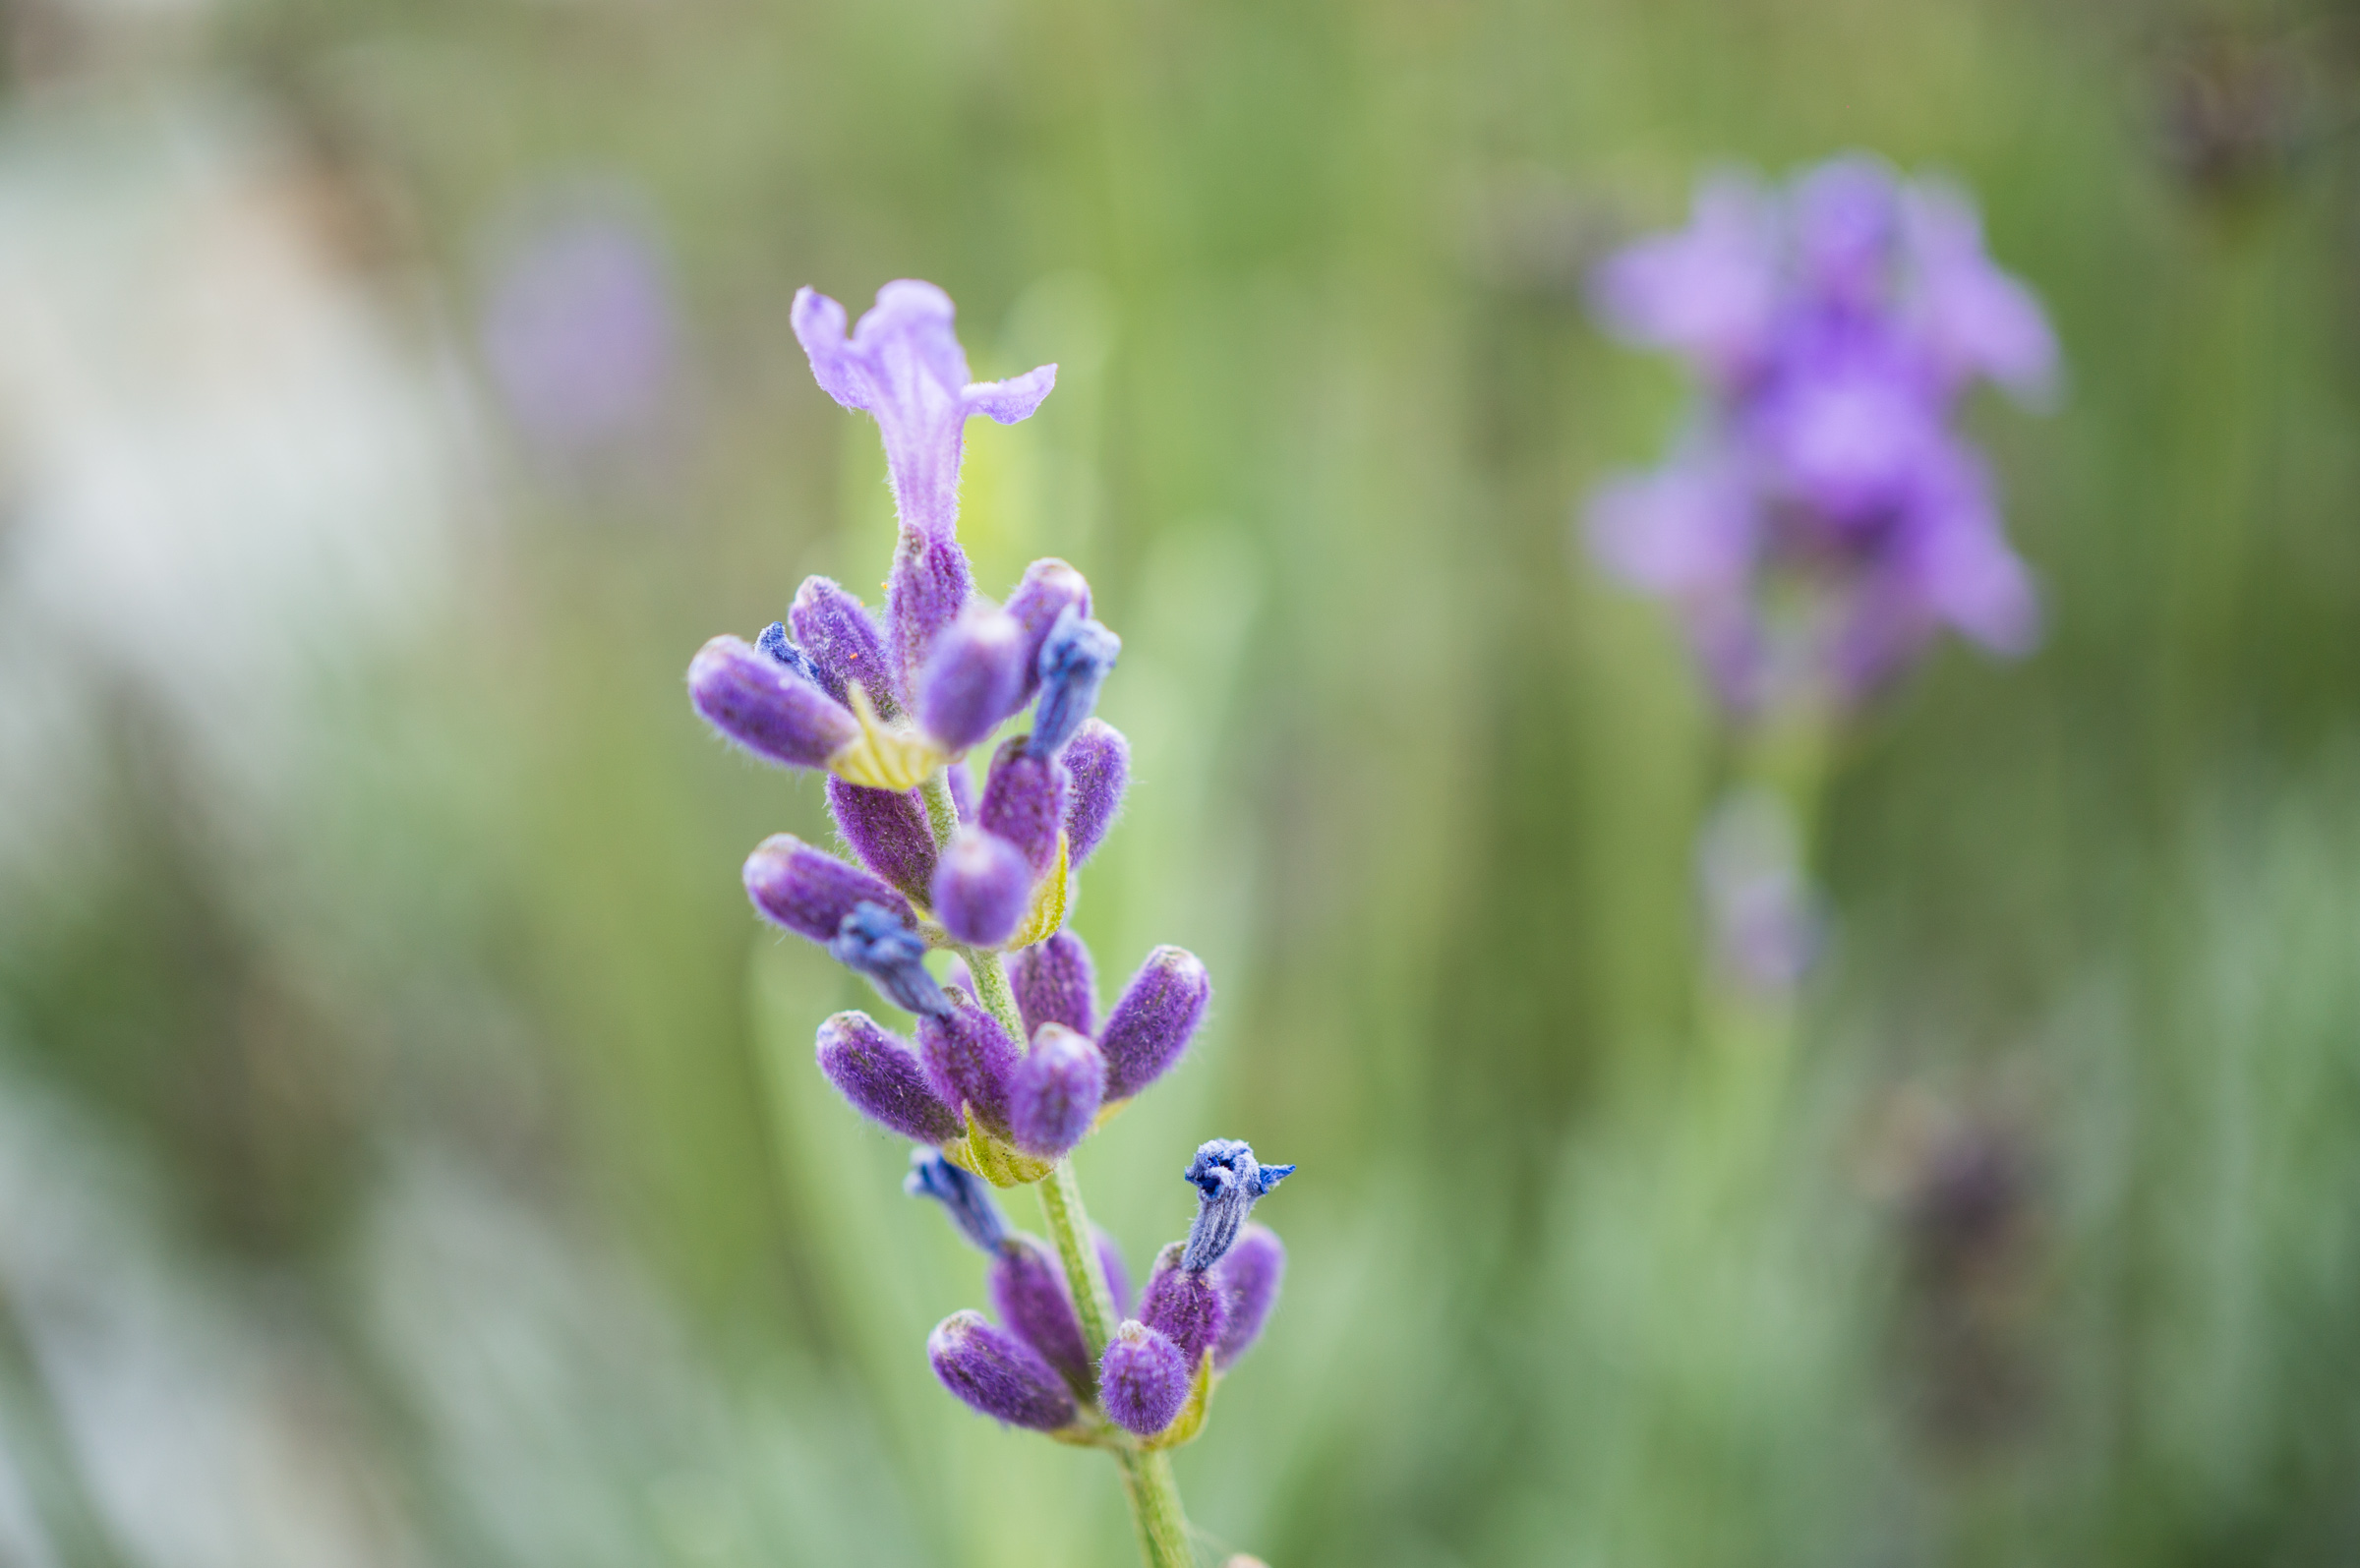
x=409 y=1147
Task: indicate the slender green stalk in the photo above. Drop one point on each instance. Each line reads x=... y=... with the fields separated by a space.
x=1148 y=1479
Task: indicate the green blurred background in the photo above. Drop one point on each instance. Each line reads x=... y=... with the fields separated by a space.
x=409 y=1147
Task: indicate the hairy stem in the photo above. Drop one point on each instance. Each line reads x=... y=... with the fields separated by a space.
x=1148 y=1479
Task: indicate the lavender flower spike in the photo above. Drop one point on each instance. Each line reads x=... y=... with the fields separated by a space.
x=1075 y=661
x=1054 y=983
x=981 y=888
x=1099 y=761
x=902 y=366
x=765 y=705
x=1054 y=1092
x=998 y=1375
x=1152 y=1024
x=874 y=942
x=1229 y=1180
x=884 y=1080
x=965 y=1198
x=1028 y=1290
x=1184 y=1303
x=1144 y=1379
x=1249 y=1276
x=811 y=893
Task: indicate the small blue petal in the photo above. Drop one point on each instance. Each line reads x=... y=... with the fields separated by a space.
x=965 y=1198
x=874 y=941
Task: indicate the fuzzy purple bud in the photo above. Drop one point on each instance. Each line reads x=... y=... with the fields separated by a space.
x=874 y=941
x=1023 y=802
x=765 y=707
x=1184 y=1304
x=981 y=888
x=1054 y=983
x=1249 y=1277
x=1144 y=1379
x=1049 y=588
x=925 y=594
x=1028 y=1292
x=1075 y=660
x=884 y=1080
x=887 y=829
x=808 y=891
x=1152 y=1024
x=974 y=679
x=995 y=1372
x=1229 y=1180
x=1054 y=1093
x=969 y=1058
x=842 y=643
x=1117 y=1272
x=1099 y=761
x=964 y=1196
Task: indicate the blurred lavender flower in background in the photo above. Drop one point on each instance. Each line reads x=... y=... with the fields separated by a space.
x=1819 y=520
x=578 y=329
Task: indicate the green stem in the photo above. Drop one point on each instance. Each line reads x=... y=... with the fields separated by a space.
x=1147 y=1477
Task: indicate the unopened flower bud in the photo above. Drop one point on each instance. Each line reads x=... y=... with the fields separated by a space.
x=874 y=941
x=964 y=1196
x=1028 y=1292
x=982 y=888
x=969 y=1058
x=809 y=892
x=1023 y=802
x=1228 y=1180
x=1249 y=1277
x=995 y=1372
x=884 y=1078
x=1054 y=1092
x=1049 y=588
x=1144 y=1379
x=887 y=829
x=765 y=707
x=1184 y=1304
x=927 y=588
x=1075 y=660
x=1098 y=760
x=842 y=643
x=974 y=679
x=1117 y=1272
x=1152 y=1024
x=784 y=653
x=1055 y=983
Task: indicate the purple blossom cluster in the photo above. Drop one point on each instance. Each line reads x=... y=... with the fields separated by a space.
x=1820 y=519
x=1012 y=1064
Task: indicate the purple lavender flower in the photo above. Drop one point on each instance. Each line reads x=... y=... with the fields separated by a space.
x=965 y=1196
x=1249 y=1276
x=1055 y=983
x=1023 y=802
x=1075 y=661
x=1152 y=1024
x=1821 y=520
x=765 y=705
x=874 y=941
x=842 y=643
x=578 y=334
x=969 y=1058
x=1054 y=1092
x=998 y=1375
x=1099 y=761
x=1228 y=1180
x=1186 y=1304
x=884 y=1080
x=809 y=892
x=1047 y=589
x=974 y=679
x=887 y=829
x=981 y=888
x=1145 y=1379
x=1028 y=1290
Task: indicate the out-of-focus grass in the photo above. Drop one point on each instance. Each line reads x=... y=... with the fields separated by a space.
x=2048 y=1258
